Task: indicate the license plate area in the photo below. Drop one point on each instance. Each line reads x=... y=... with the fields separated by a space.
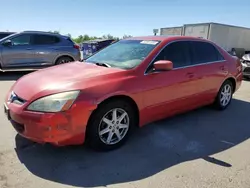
x=7 y=111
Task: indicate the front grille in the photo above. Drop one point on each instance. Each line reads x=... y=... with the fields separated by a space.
x=247 y=70
x=19 y=127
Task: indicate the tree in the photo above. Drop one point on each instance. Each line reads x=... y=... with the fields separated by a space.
x=126 y=36
x=86 y=37
x=57 y=32
x=108 y=36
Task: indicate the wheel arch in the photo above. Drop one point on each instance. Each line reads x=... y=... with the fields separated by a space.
x=122 y=97
x=63 y=55
x=233 y=81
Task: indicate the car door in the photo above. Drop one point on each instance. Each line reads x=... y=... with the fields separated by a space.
x=45 y=49
x=210 y=68
x=169 y=92
x=19 y=54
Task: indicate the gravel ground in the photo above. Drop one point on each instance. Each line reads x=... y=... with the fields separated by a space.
x=203 y=148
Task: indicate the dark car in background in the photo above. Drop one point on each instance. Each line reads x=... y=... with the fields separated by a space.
x=90 y=47
x=5 y=34
x=31 y=50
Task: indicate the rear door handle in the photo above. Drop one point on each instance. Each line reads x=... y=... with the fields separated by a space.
x=29 y=49
x=190 y=75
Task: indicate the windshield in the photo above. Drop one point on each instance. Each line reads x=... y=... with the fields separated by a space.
x=125 y=54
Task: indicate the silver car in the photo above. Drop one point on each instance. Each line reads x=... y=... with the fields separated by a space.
x=246 y=65
x=31 y=50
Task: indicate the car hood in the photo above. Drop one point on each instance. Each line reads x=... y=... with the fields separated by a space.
x=71 y=76
x=246 y=57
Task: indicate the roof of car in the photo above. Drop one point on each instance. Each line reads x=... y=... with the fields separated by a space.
x=42 y=32
x=6 y=32
x=163 y=38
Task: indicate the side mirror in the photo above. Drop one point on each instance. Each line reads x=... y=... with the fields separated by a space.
x=7 y=43
x=163 y=65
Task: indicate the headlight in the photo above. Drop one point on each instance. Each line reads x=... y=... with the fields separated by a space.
x=54 y=103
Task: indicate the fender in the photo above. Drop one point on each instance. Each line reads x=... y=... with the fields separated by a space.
x=116 y=94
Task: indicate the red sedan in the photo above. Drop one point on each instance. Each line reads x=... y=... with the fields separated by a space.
x=127 y=84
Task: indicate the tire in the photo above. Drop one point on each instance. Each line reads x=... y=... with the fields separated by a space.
x=103 y=134
x=227 y=89
x=63 y=60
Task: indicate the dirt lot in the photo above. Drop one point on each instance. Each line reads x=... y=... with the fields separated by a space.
x=203 y=148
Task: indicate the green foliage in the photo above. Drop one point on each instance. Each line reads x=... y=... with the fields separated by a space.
x=57 y=32
x=126 y=36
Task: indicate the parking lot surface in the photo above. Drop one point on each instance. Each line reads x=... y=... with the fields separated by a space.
x=202 y=148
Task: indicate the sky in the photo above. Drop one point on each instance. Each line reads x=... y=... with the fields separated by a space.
x=131 y=17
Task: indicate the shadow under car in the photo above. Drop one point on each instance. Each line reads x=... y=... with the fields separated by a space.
x=152 y=149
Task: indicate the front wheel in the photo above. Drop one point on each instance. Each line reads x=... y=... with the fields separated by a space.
x=110 y=125
x=224 y=96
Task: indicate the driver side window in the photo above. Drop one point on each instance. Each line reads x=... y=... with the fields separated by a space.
x=21 y=40
x=177 y=52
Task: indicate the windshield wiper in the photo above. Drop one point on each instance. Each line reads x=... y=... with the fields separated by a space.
x=103 y=64
x=99 y=64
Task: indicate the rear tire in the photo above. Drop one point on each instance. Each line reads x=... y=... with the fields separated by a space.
x=110 y=125
x=224 y=96
x=63 y=60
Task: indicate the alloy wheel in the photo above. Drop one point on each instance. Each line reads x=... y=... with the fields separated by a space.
x=63 y=61
x=226 y=95
x=114 y=126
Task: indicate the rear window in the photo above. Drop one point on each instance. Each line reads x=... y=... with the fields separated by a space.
x=204 y=52
x=68 y=39
x=45 y=39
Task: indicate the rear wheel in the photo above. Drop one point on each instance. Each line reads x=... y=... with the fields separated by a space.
x=110 y=125
x=63 y=60
x=224 y=96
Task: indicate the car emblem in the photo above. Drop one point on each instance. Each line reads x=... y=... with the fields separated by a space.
x=13 y=97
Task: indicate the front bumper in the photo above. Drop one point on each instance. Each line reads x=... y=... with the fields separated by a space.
x=61 y=129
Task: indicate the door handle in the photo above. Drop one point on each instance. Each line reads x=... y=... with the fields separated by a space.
x=29 y=49
x=190 y=75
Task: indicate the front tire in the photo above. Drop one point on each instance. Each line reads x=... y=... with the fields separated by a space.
x=110 y=125
x=224 y=96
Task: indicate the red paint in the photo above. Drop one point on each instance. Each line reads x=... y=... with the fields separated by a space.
x=156 y=95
